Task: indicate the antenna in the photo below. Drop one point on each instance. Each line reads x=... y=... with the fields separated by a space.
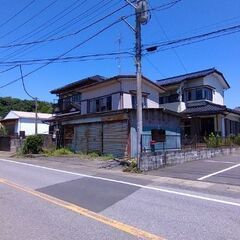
x=119 y=42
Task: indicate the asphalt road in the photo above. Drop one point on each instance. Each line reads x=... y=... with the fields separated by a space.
x=38 y=202
x=223 y=169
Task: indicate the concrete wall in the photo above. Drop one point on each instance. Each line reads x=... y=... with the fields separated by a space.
x=151 y=161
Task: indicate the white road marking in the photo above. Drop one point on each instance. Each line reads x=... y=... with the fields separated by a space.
x=215 y=173
x=215 y=161
x=130 y=184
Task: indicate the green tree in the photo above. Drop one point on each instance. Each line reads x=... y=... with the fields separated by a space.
x=8 y=103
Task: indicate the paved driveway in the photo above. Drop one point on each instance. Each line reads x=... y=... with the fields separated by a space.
x=224 y=169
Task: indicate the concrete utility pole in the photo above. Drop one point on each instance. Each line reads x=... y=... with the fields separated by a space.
x=142 y=17
x=138 y=59
x=36 y=116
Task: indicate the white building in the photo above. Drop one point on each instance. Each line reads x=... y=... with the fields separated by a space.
x=199 y=97
x=17 y=122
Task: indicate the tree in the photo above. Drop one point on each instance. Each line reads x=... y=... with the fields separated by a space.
x=8 y=103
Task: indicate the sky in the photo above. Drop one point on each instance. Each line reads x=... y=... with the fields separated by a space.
x=54 y=18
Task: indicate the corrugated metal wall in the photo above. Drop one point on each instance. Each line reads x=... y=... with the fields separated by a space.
x=104 y=138
x=115 y=138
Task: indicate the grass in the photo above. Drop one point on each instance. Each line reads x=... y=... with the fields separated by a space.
x=67 y=152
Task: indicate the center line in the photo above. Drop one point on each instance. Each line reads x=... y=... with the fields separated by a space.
x=215 y=173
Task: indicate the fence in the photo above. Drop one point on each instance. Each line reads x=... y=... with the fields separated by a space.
x=173 y=142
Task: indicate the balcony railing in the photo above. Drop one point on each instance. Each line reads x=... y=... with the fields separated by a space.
x=66 y=105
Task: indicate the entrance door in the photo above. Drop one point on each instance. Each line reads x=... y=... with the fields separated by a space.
x=207 y=126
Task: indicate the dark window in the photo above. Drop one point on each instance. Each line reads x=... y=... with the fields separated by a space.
x=208 y=94
x=189 y=95
x=109 y=103
x=76 y=98
x=199 y=94
x=134 y=101
x=161 y=100
x=173 y=98
x=100 y=104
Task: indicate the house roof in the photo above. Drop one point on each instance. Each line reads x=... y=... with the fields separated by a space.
x=190 y=76
x=79 y=83
x=207 y=108
x=29 y=115
x=95 y=80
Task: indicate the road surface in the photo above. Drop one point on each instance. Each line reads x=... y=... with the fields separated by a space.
x=42 y=202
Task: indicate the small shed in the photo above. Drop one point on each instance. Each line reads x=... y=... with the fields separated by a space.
x=18 y=121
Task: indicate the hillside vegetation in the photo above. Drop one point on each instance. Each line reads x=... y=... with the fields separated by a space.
x=8 y=103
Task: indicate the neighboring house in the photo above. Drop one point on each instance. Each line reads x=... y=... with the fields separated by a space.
x=199 y=97
x=97 y=114
x=17 y=122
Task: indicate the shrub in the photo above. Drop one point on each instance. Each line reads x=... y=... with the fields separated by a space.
x=132 y=167
x=237 y=140
x=3 y=131
x=213 y=141
x=33 y=144
x=229 y=141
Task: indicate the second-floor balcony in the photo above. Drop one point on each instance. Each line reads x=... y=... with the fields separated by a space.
x=66 y=105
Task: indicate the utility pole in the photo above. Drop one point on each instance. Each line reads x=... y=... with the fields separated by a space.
x=34 y=98
x=36 y=116
x=142 y=18
x=138 y=59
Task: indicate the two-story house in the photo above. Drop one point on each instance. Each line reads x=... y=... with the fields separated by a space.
x=98 y=114
x=199 y=97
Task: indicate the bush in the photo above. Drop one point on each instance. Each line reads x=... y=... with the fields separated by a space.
x=237 y=140
x=33 y=144
x=213 y=141
x=3 y=131
x=229 y=141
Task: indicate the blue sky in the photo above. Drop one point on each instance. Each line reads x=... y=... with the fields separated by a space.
x=184 y=19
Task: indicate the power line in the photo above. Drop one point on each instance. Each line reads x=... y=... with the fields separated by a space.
x=174 y=51
x=80 y=30
x=16 y=14
x=48 y=23
x=29 y=20
x=24 y=87
x=64 y=36
x=44 y=26
x=65 y=53
x=198 y=38
x=37 y=61
x=7 y=70
x=154 y=66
